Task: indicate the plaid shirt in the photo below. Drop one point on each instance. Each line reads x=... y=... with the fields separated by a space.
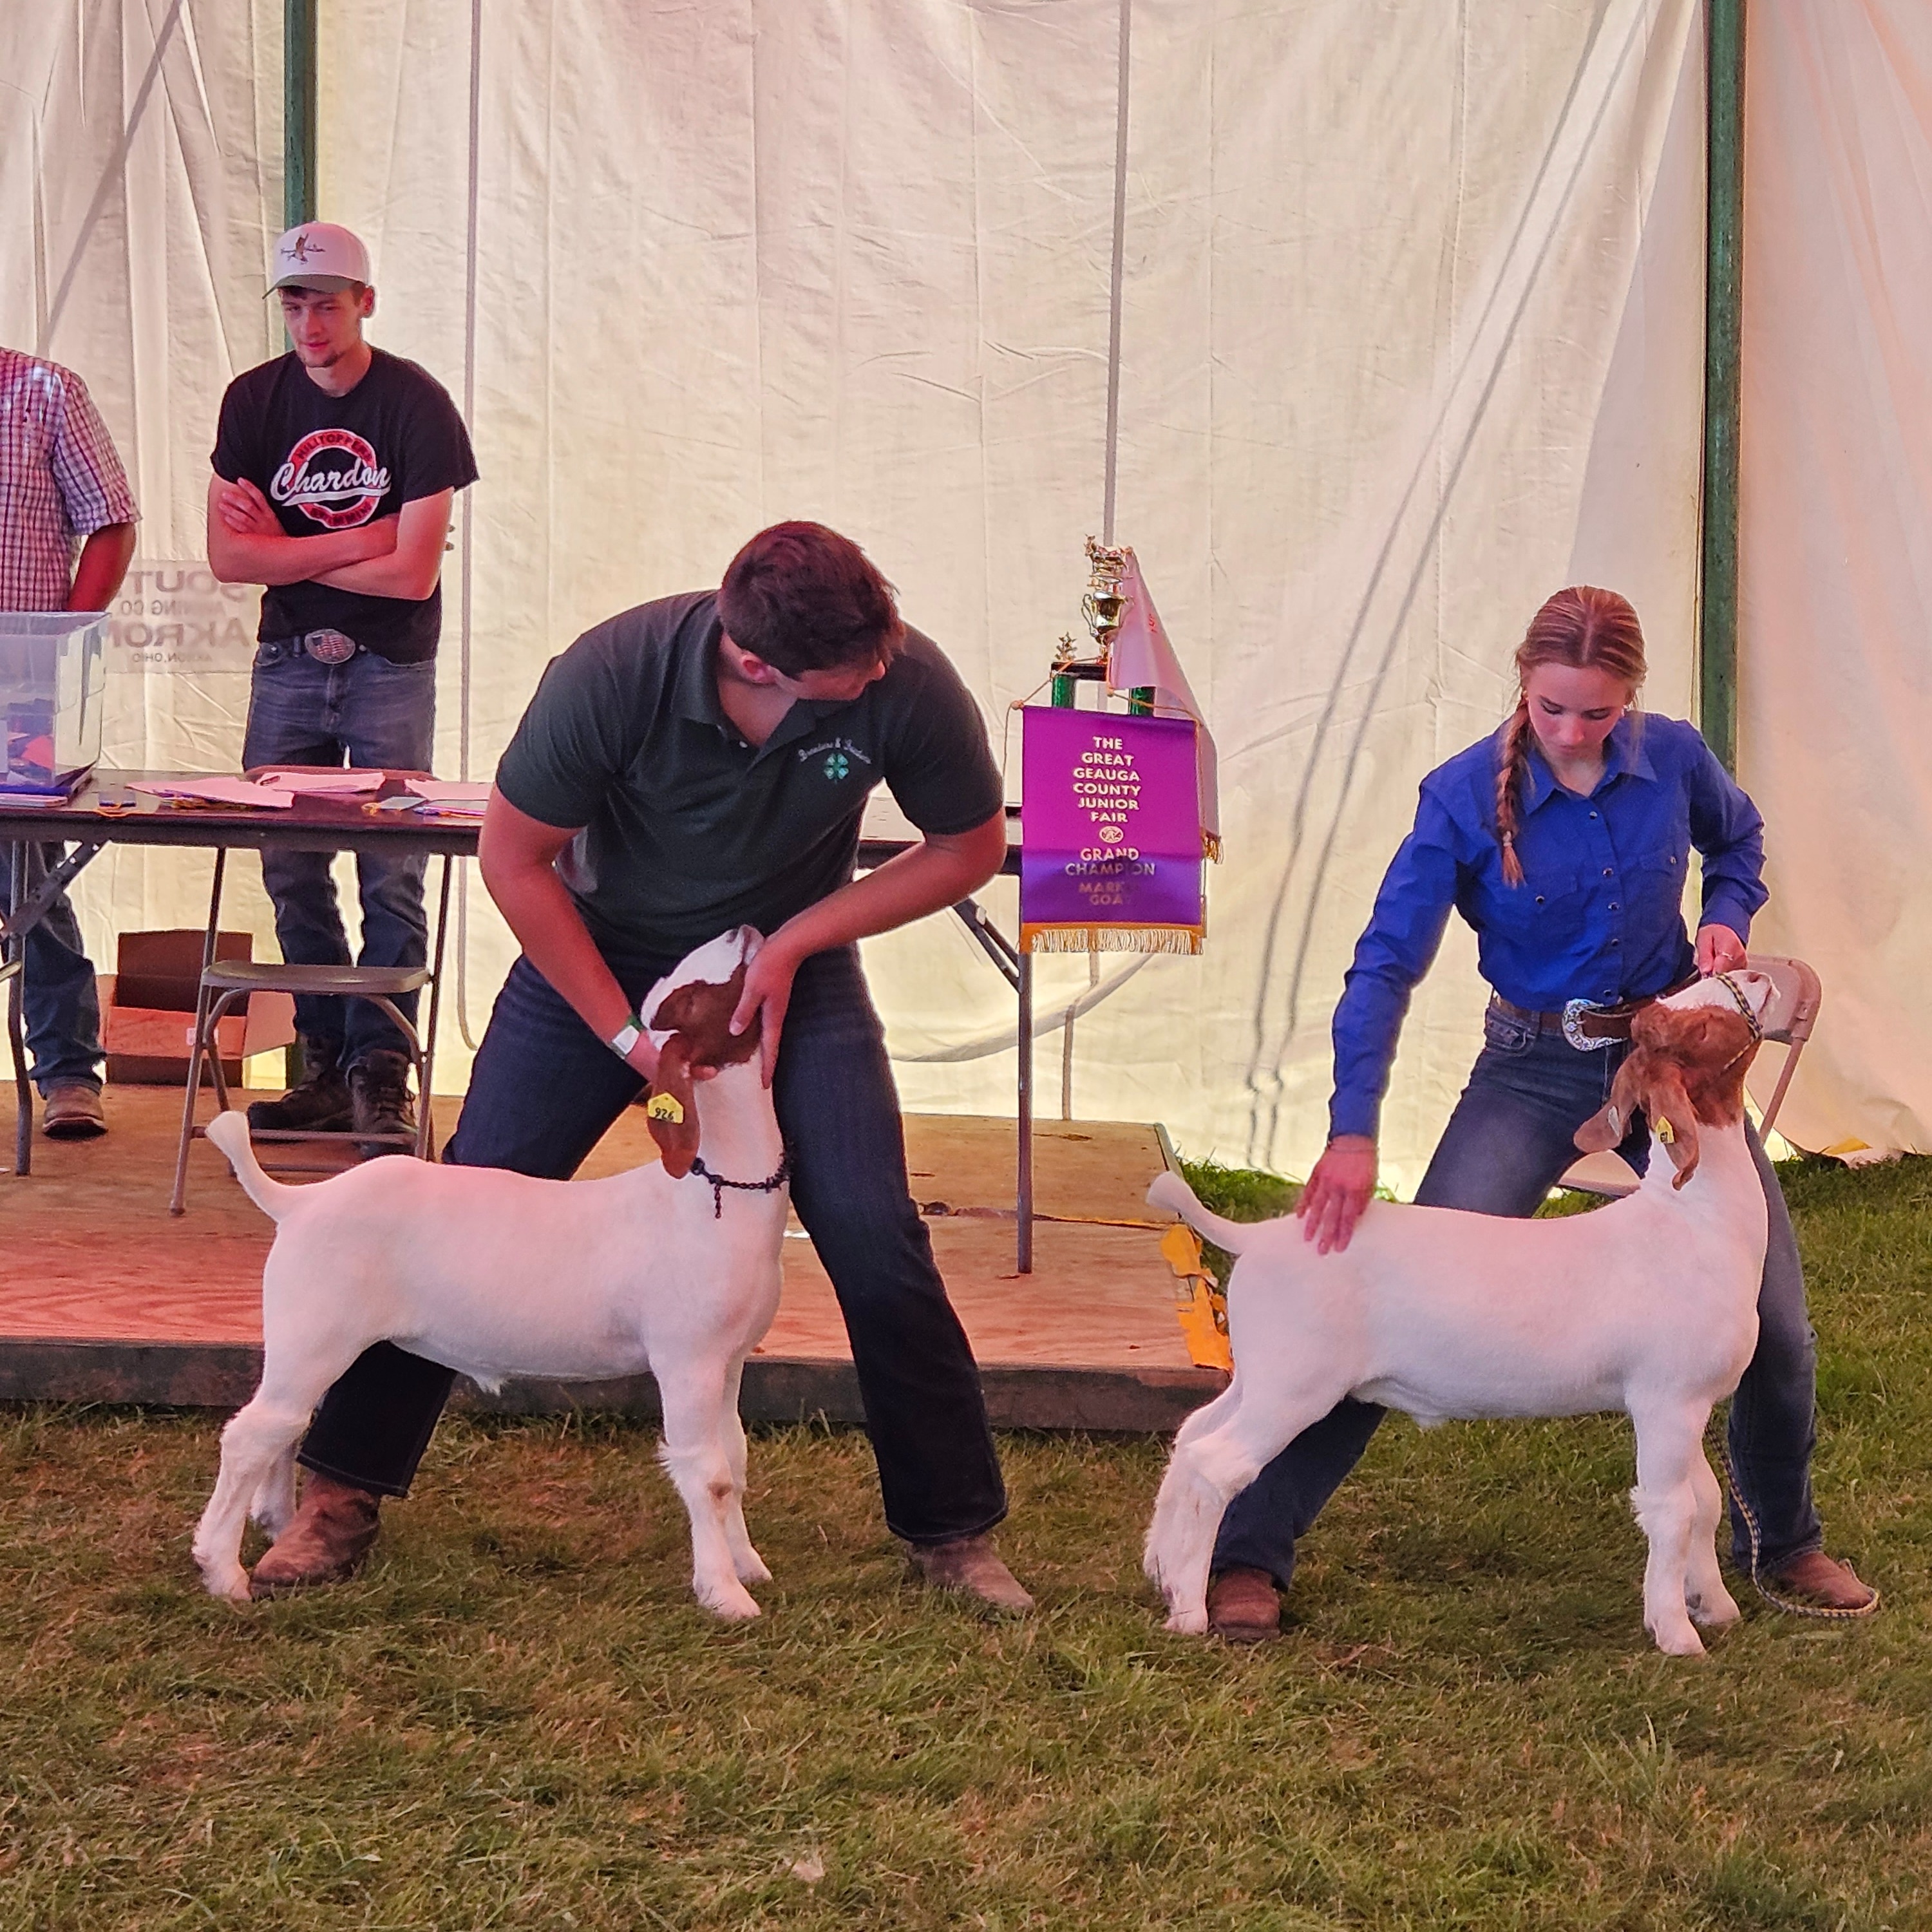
x=60 y=480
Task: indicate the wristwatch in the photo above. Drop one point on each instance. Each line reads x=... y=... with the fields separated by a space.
x=624 y=1041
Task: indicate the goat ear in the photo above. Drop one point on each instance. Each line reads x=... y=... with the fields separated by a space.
x=1672 y=1118
x=1603 y=1131
x=671 y=1112
x=734 y=1047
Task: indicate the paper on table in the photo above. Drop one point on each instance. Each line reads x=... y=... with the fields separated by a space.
x=450 y=791
x=217 y=791
x=320 y=781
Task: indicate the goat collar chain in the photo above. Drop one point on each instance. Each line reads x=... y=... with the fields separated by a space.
x=1824 y=1612
x=1730 y=986
x=772 y=1182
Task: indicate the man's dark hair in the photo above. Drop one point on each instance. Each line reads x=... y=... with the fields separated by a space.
x=805 y=598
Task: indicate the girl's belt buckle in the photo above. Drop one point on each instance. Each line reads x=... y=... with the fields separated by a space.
x=1575 y=1011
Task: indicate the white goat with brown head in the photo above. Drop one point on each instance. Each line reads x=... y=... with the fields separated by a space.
x=1649 y=1305
x=499 y=1275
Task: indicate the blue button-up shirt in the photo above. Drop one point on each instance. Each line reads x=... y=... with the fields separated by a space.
x=1599 y=915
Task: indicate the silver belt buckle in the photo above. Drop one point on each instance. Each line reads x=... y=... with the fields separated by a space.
x=1573 y=1011
x=329 y=647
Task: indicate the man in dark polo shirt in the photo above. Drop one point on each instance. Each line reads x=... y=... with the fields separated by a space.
x=694 y=764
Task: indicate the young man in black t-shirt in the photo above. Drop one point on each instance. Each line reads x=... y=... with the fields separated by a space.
x=700 y=763
x=335 y=466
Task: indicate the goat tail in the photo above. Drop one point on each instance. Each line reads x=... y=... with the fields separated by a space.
x=229 y=1132
x=1171 y=1192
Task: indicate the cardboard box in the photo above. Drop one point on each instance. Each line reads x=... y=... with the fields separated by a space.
x=148 y=1004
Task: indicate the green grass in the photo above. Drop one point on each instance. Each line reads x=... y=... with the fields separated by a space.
x=517 y=1716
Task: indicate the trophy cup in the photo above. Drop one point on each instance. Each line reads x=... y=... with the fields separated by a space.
x=1103 y=605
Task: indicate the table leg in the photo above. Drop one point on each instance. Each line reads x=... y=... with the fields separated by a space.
x=178 y=1200
x=425 y=1129
x=15 y=946
x=1024 y=1204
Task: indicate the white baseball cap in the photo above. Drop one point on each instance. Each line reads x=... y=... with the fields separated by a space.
x=319 y=255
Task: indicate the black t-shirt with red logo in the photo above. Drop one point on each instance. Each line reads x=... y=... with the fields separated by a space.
x=332 y=462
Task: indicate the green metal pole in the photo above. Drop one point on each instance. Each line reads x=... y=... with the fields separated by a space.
x=1724 y=317
x=298 y=111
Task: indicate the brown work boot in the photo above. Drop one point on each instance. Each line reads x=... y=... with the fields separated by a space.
x=1816 y=1579
x=1244 y=1606
x=333 y=1528
x=379 y=1094
x=73 y=1112
x=969 y=1566
x=319 y=1104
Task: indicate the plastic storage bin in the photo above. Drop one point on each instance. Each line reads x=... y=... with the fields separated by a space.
x=53 y=672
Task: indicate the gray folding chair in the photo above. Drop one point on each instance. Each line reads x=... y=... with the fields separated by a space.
x=1788 y=1020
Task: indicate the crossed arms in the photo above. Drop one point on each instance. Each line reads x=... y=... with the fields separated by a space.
x=394 y=556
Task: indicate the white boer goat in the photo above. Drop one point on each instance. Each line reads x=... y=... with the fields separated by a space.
x=499 y=1275
x=1649 y=1305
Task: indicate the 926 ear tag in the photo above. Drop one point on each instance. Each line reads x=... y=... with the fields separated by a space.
x=664 y=1107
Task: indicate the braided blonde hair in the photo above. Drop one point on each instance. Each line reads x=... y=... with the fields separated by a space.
x=1587 y=629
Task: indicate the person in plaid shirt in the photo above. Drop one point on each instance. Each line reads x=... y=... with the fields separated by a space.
x=62 y=489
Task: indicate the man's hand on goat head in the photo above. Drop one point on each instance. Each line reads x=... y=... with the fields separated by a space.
x=1719 y=950
x=1341 y=1186
x=767 y=993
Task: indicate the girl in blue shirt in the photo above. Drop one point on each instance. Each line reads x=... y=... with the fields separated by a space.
x=1564 y=840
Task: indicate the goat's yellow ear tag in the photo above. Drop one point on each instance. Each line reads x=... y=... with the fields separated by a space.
x=1666 y=1133
x=665 y=1107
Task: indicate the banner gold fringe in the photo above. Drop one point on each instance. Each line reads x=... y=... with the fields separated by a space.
x=1111 y=938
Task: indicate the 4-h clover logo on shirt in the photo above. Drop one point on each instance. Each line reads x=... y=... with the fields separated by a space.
x=837 y=766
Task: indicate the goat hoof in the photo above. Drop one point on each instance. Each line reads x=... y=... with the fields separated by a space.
x=731 y=1607
x=751 y=1568
x=1720 y=1613
x=1685 y=1642
x=1189 y=1623
x=230 y=1585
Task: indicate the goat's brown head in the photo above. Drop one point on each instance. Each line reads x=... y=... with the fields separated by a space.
x=1685 y=1070
x=696 y=1012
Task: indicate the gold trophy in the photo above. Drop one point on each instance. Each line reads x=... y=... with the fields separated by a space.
x=1103 y=605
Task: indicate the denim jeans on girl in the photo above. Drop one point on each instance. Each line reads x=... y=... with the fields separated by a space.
x=58 y=1000
x=542 y=1092
x=366 y=712
x=1506 y=1143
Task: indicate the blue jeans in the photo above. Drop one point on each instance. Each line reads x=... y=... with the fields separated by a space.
x=367 y=711
x=542 y=1092
x=1506 y=1143
x=58 y=999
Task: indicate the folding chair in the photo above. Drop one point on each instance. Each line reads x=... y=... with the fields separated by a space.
x=226 y=983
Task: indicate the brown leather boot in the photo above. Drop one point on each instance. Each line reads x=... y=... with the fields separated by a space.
x=1815 y=1578
x=1244 y=1606
x=334 y=1526
x=969 y=1566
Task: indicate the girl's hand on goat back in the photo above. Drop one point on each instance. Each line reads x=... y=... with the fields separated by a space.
x=1343 y=1184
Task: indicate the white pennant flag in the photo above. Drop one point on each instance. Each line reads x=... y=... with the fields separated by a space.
x=1140 y=658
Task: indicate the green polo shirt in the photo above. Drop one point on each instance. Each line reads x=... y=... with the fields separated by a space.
x=686 y=829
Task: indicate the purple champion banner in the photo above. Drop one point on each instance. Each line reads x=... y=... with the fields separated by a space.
x=1112 y=859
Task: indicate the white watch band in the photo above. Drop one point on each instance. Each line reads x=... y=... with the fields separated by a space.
x=625 y=1039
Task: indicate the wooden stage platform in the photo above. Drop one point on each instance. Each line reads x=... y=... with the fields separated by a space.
x=104 y=1298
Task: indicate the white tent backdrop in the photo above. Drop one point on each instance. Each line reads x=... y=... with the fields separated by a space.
x=1412 y=335
x=1835 y=688
x=140 y=183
